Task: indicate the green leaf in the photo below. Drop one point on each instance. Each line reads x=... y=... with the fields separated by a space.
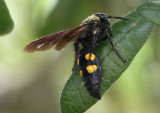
x=150 y=11
x=6 y=22
x=129 y=37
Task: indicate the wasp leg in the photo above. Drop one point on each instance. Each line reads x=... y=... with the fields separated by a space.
x=109 y=30
x=93 y=45
x=112 y=44
x=76 y=47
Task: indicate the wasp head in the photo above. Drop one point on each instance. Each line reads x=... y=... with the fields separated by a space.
x=103 y=18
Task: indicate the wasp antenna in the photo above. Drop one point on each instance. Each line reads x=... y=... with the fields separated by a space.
x=117 y=17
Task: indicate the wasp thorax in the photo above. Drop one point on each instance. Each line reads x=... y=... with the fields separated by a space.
x=91 y=19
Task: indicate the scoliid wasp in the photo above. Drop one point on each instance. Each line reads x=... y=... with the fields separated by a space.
x=86 y=37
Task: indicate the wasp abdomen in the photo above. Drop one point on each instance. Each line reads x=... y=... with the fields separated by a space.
x=91 y=72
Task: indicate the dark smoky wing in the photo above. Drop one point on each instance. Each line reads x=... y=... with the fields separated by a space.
x=74 y=34
x=44 y=43
x=49 y=41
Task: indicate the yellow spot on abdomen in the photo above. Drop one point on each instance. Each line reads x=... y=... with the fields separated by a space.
x=89 y=56
x=91 y=68
x=81 y=73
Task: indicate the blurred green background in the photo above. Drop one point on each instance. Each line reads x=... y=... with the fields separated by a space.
x=32 y=83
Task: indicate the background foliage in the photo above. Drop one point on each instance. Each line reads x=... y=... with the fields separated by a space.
x=32 y=83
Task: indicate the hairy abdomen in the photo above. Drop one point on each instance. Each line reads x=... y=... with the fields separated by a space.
x=91 y=72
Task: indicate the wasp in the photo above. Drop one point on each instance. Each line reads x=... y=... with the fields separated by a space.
x=93 y=30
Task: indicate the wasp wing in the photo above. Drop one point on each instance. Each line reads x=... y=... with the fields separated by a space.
x=61 y=38
x=72 y=36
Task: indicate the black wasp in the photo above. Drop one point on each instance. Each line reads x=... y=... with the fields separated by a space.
x=86 y=37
